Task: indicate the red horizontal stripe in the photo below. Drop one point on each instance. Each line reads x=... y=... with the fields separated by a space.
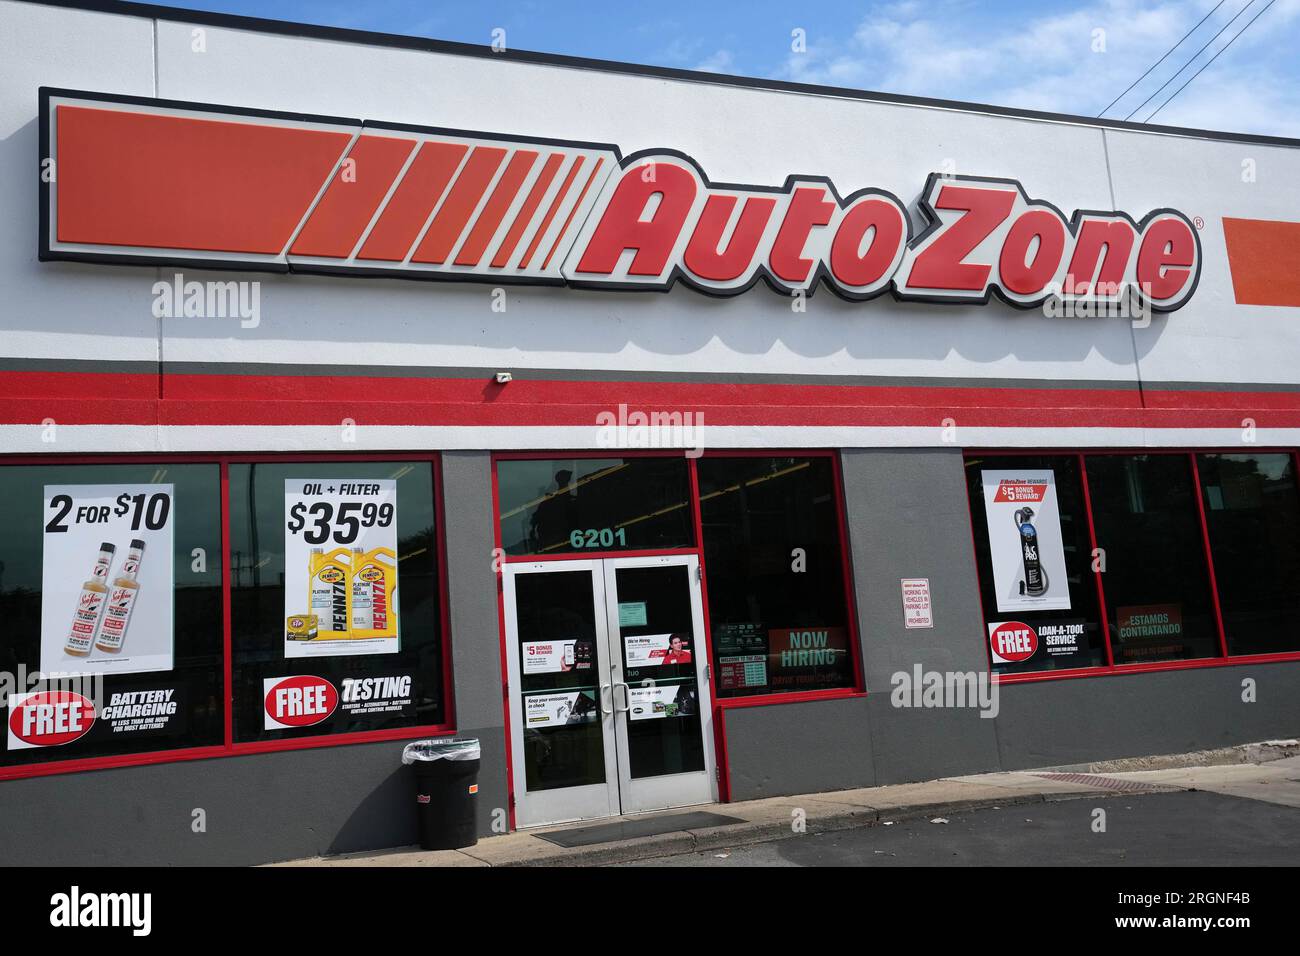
x=660 y=395
x=1236 y=401
x=132 y=399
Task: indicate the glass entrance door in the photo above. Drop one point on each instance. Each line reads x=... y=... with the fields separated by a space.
x=608 y=687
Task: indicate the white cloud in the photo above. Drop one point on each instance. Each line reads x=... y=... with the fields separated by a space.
x=952 y=50
x=721 y=61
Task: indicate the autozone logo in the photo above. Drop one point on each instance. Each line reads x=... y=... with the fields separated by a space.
x=222 y=187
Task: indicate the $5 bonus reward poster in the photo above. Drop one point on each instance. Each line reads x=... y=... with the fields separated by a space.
x=340 y=567
x=1025 y=543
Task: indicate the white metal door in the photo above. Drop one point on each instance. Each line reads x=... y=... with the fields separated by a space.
x=660 y=682
x=608 y=686
x=561 y=713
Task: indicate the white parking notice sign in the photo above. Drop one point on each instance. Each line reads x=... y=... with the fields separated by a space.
x=917 y=608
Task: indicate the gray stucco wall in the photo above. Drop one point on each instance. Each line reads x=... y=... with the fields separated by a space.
x=1131 y=715
x=258 y=808
x=290 y=804
x=476 y=641
x=772 y=751
x=908 y=517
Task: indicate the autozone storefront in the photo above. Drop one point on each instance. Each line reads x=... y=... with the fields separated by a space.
x=726 y=423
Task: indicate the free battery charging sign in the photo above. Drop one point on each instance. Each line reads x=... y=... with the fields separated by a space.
x=1025 y=542
x=107 y=578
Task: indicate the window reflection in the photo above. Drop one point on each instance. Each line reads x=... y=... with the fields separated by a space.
x=774 y=566
x=1157 y=584
x=560 y=506
x=1253 y=517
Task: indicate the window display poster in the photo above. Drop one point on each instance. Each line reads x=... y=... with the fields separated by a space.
x=743 y=672
x=304 y=700
x=738 y=639
x=557 y=657
x=1025 y=541
x=559 y=709
x=802 y=655
x=658 y=701
x=1062 y=642
x=107 y=579
x=1149 y=631
x=340 y=567
x=655 y=650
x=55 y=718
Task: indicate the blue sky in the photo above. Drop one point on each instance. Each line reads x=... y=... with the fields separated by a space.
x=1071 y=56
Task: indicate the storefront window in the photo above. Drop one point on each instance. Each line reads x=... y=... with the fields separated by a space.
x=110 y=587
x=581 y=505
x=775 y=574
x=1034 y=555
x=1253 y=518
x=335 y=598
x=1157 y=585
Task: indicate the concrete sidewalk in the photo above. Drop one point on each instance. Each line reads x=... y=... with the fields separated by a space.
x=1259 y=771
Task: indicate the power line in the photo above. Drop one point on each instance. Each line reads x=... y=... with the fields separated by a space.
x=1162 y=59
x=1248 y=5
x=1212 y=59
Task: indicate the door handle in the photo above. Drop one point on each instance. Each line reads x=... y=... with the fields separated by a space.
x=603 y=709
x=627 y=692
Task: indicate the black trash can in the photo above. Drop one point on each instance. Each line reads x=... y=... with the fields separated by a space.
x=446 y=788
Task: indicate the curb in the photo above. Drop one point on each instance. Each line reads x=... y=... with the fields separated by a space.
x=714 y=838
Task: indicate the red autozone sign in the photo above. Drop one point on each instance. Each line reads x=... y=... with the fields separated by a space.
x=149 y=181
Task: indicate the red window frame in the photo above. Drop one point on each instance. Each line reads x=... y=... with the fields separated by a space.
x=229 y=748
x=1111 y=668
x=720 y=705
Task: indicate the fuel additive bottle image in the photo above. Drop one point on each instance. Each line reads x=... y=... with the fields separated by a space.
x=90 y=605
x=121 y=600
